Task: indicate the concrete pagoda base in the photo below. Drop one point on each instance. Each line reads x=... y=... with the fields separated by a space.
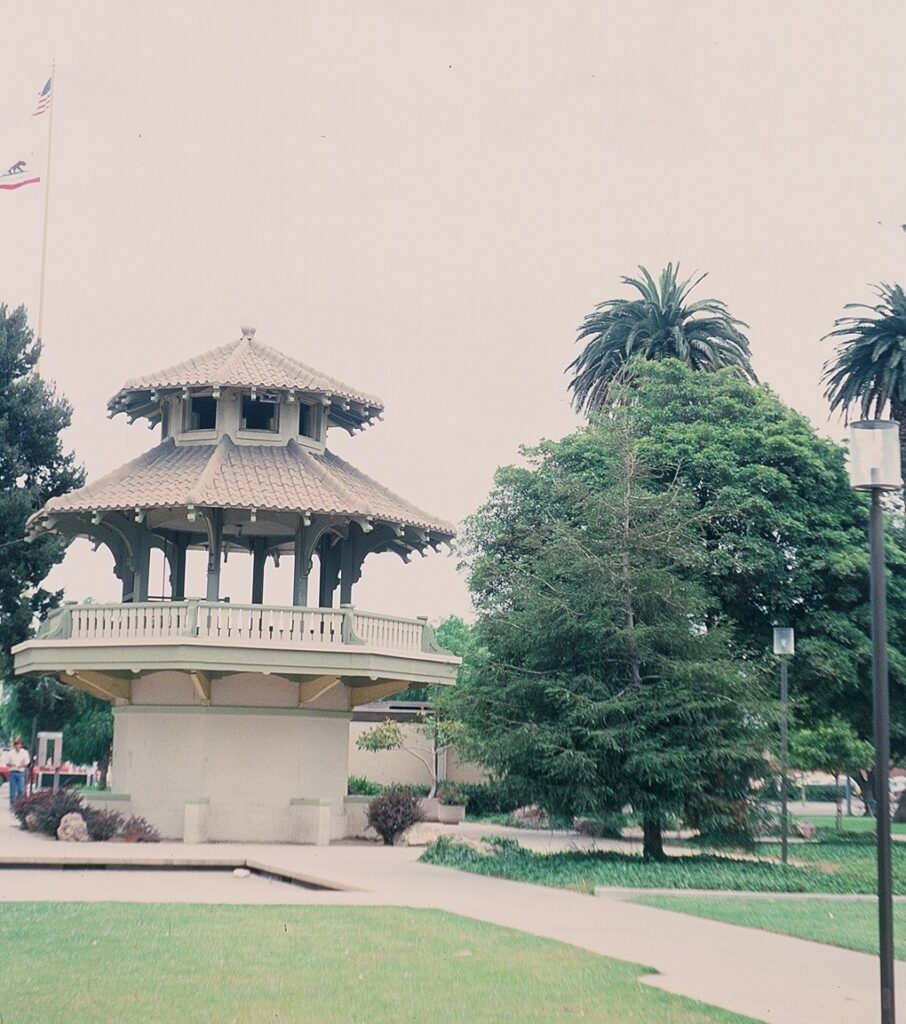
x=234 y=773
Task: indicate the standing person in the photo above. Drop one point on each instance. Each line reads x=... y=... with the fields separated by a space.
x=18 y=760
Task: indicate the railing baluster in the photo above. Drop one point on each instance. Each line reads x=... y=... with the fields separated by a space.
x=237 y=624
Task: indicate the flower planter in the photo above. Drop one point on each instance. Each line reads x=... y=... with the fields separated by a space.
x=451 y=814
x=429 y=807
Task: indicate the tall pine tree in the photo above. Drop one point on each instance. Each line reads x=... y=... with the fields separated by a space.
x=593 y=681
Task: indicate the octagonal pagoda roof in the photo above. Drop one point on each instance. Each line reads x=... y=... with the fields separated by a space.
x=286 y=478
x=245 y=363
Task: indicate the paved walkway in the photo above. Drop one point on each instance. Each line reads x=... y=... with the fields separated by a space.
x=767 y=977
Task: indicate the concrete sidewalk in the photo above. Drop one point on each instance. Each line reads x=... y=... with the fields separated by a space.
x=764 y=976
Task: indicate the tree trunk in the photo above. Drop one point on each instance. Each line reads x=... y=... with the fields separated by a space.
x=653 y=840
x=837 y=794
x=103 y=768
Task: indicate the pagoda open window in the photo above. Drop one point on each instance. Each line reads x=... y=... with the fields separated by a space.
x=201 y=413
x=308 y=421
x=259 y=413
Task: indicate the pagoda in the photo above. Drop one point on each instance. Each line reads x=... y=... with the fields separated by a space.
x=231 y=720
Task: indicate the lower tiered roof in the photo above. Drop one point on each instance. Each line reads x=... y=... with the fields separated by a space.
x=287 y=478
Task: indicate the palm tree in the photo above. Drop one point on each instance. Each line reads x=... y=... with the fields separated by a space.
x=868 y=369
x=658 y=325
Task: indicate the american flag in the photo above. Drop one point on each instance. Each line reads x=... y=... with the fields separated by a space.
x=43 y=99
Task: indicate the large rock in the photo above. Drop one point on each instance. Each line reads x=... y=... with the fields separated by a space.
x=803 y=830
x=422 y=833
x=72 y=828
x=532 y=816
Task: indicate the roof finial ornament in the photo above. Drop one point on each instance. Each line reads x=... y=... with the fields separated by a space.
x=248 y=331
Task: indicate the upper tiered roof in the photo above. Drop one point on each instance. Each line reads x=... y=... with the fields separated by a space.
x=248 y=364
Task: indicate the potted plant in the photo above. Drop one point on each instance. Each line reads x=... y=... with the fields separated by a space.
x=452 y=807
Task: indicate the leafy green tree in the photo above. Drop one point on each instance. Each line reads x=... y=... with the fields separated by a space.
x=439 y=735
x=785 y=537
x=867 y=372
x=33 y=468
x=593 y=681
x=85 y=721
x=660 y=324
x=453 y=634
x=831 y=747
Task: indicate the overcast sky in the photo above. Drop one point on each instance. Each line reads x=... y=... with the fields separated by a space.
x=424 y=199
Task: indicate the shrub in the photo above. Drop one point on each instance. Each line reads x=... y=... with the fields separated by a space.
x=451 y=794
x=138 y=830
x=43 y=811
x=819 y=792
x=101 y=825
x=415 y=788
x=393 y=812
x=601 y=826
x=358 y=785
x=489 y=798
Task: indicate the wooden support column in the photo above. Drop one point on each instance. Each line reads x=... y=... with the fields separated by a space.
x=202 y=683
x=99 y=684
x=259 y=558
x=301 y=568
x=177 y=558
x=330 y=571
x=311 y=689
x=347 y=557
x=214 y=520
x=357 y=695
x=142 y=569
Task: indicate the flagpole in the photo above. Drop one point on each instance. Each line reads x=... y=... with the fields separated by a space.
x=53 y=89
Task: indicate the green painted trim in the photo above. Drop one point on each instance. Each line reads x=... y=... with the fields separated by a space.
x=194 y=709
x=299 y=801
x=182 y=655
x=356 y=799
x=103 y=797
x=195 y=800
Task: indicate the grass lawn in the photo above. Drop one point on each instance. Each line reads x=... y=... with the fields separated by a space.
x=852 y=924
x=854 y=824
x=93 y=963
x=845 y=866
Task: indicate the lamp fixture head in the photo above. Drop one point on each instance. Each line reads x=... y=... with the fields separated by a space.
x=874 y=455
x=784 y=641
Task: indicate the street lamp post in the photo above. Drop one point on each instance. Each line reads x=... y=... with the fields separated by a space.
x=874 y=466
x=784 y=647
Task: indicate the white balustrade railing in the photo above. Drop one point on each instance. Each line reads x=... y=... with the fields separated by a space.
x=383 y=631
x=238 y=624
x=127 y=621
x=234 y=622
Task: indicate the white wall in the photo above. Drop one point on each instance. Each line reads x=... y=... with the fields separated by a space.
x=248 y=763
x=388 y=766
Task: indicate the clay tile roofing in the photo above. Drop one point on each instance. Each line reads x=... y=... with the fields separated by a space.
x=285 y=478
x=244 y=363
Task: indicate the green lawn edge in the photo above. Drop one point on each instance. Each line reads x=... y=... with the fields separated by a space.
x=193 y=963
x=848 y=924
x=844 y=867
